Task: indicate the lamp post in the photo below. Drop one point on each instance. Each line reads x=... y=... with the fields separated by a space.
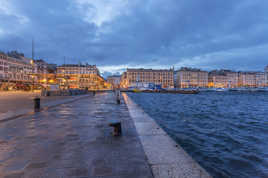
x=32 y=63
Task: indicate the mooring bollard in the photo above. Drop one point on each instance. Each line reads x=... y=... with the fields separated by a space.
x=36 y=104
x=118 y=96
x=117 y=128
x=118 y=100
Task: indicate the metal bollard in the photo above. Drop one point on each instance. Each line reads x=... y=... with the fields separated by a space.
x=117 y=128
x=118 y=97
x=118 y=100
x=94 y=93
x=36 y=104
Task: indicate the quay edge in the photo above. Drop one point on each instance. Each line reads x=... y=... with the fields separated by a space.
x=166 y=158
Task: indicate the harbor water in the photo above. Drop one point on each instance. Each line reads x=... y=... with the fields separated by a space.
x=226 y=132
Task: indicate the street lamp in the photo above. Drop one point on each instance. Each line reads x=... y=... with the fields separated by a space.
x=32 y=63
x=32 y=82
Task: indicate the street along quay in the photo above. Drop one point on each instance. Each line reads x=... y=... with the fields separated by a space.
x=74 y=139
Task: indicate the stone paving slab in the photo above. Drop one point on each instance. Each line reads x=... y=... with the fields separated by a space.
x=73 y=140
x=166 y=158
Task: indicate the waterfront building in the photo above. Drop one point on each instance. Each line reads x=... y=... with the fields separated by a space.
x=81 y=76
x=266 y=76
x=124 y=80
x=223 y=79
x=260 y=79
x=41 y=67
x=40 y=71
x=15 y=69
x=190 y=77
x=162 y=77
x=247 y=79
x=77 y=69
x=114 y=80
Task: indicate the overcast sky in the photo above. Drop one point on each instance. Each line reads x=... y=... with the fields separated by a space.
x=116 y=34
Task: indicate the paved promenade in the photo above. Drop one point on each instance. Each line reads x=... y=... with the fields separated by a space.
x=73 y=140
x=19 y=102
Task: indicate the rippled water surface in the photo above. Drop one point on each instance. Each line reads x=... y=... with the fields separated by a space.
x=227 y=133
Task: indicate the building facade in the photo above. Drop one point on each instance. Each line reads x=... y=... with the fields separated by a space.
x=81 y=76
x=114 y=80
x=260 y=79
x=189 y=77
x=247 y=79
x=223 y=79
x=266 y=76
x=15 y=69
x=165 y=78
x=77 y=69
x=124 y=80
x=41 y=67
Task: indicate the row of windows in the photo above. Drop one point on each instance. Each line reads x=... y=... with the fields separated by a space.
x=150 y=75
x=150 y=78
x=14 y=77
x=12 y=69
x=165 y=81
x=75 y=72
x=3 y=57
x=15 y=66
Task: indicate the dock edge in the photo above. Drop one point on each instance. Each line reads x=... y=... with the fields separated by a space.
x=166 y=158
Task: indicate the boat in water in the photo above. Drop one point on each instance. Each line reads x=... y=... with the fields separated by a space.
x=165 y=91
x=221 y=89
x=137 y=90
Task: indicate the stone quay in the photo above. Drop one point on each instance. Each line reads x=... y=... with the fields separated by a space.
x=75 y=139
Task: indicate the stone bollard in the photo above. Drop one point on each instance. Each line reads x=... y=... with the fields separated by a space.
x=117 y=128
x=37 y=104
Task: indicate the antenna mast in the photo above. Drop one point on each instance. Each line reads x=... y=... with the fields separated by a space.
x=33 y=49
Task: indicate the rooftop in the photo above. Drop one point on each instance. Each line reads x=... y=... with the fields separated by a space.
x=76 y=65
x=111 y=76
x=149 y=70
x=191 y=69
x=221 y=72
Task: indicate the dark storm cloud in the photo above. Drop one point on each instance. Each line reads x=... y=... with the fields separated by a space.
x=153 y=33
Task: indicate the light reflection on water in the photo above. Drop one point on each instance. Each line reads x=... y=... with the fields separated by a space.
x=227 y=133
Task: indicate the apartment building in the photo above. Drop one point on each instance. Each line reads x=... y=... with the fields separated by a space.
x=15 y=69
x=124 y=80
x=260 y=79
x=77 y=69
x=81 y=76
x=41 y=67
x=266 y=75
x=190 y=77
x=114 y=80
x=223 y=79
x=247 y=79
x=162 y=77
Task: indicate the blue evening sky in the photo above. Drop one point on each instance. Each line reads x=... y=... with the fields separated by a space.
x=116 y=34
